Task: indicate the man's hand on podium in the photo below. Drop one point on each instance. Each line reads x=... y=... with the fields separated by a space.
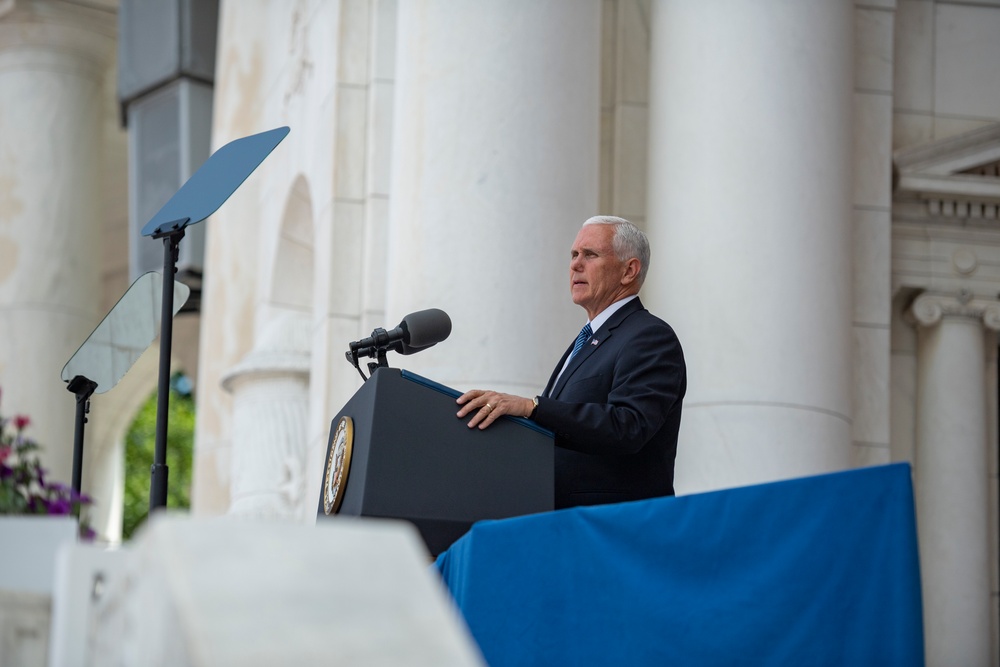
x=488 y=406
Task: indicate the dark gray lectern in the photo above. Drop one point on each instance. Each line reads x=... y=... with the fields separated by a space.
x=397 y=450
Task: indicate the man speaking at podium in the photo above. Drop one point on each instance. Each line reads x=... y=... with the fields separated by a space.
x=614 y=399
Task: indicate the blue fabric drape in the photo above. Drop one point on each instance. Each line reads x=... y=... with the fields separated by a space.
x=814 y=571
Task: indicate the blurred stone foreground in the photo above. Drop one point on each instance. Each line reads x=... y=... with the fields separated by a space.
x=224 y=591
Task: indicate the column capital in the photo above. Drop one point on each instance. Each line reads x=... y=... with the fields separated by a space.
x=929 y=309
x=281 y=352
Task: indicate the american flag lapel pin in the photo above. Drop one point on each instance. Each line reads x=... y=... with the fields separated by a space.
x=594 y=342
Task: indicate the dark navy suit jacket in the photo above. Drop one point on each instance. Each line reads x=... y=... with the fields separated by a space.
x=616 y=411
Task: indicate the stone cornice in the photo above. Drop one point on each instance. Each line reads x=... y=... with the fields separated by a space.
x=956 y=177
x=929 y=309
x=953 y=154
x=958 y=187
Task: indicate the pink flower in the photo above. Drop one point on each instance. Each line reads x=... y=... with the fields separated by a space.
x=4 y=453
x=21 y=421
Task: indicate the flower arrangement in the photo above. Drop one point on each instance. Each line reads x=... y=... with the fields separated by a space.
x=24 y=488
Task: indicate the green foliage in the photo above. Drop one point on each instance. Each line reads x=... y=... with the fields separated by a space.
x=140 y=443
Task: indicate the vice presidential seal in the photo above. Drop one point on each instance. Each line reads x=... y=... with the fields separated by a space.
x=338 y=465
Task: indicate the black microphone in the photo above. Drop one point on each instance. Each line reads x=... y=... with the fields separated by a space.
x=425 y=328
x=417 y=332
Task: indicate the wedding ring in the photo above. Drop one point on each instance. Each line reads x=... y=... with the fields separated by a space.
x=490 y=407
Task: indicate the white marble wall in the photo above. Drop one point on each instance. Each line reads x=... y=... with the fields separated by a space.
x=945 y=84
x=351 y=253
x=944 y=63
x=25 y=627
x=624 y=108
x=254 y=94
x=27 y=584
x=328 y=75
x=935 y=256
x=872 y=235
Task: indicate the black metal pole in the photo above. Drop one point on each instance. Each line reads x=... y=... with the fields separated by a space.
x=159 y=471
x=83 y=388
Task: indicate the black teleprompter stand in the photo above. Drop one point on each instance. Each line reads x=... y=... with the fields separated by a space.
x=202 y=195
x=159 y=471
x=112 y=348
x=84 y=388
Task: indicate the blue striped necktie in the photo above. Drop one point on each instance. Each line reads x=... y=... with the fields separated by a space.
x=585 y=333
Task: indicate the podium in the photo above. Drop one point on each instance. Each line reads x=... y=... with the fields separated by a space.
x=397 y=450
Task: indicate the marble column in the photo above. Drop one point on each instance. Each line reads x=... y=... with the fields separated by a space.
x=750 y=191
x=53 y=58
x=952 y=474
x=270 y=389
x=495 y=167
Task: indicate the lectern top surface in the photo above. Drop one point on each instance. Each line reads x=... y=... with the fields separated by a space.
x=454 y=393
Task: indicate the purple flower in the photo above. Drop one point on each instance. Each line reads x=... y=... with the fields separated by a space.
x=58 y=506
x=24 y=485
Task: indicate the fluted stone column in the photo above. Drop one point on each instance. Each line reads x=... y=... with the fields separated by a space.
x=270 y=389
x=495 y=150
x=750 y=195
x=53 y=56
x=952 y=475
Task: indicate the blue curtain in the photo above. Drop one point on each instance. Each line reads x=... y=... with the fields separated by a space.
x=814 y=571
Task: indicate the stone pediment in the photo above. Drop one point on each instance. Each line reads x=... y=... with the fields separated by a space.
x=958 y=176
x=945 y=215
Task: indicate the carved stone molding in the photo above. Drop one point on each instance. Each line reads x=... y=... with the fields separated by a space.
x=929 y=309
x=956 y=177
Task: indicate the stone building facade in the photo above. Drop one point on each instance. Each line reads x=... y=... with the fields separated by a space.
x=819 y=181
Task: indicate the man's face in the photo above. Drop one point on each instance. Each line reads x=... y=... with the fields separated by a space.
x=595 y=272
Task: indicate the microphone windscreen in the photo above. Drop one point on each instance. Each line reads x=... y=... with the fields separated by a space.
x=424 y=328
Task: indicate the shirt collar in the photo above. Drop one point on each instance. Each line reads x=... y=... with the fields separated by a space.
x=606 y=314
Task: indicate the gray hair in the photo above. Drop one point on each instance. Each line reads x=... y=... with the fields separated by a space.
x=628 y=241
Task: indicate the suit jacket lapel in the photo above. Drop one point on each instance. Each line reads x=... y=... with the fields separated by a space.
x=577 y=361
x=602 y=335
x=555 y=372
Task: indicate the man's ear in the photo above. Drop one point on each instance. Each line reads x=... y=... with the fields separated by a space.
x=631 y=274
